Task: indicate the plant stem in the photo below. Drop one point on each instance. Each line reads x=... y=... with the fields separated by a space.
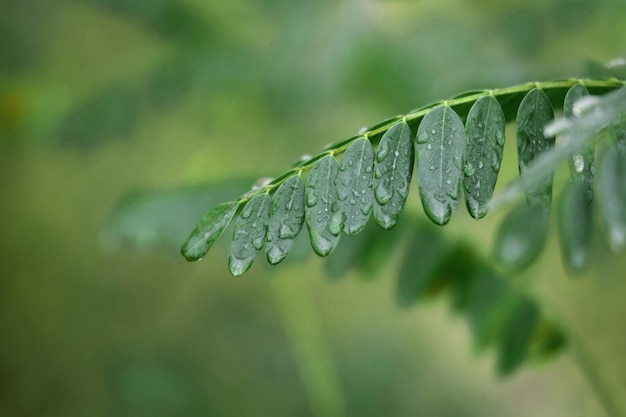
x=305 y=331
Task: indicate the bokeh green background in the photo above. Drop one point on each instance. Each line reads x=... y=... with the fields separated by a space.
x=102 y=97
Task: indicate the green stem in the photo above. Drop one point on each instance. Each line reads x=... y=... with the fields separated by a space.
x=506 y=95
x=602 y=390
x=305 y=331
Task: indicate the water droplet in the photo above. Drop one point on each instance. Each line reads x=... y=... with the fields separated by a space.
x=433 y=131
x=396 y=153
x=480 y=165
x=429 y=146
x=448 y=182
x=311 y=199
x=432 y=167
x=382 y=194
x=579 y=163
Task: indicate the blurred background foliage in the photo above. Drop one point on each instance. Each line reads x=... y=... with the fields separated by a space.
x=158 y=109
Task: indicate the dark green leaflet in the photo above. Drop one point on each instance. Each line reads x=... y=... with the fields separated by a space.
x=286 y=219
x=208 y=230
x=575 y=225
x=321 y=204
x=440 y=149
x=611 y=195
x=517 y=337
x=488 y=305
x=249 y=235
x=522 y=236
x=392 y=174
x=534 y=113
x=354 y=189
x=424 y=256
x=581 y=163
x=485 y=139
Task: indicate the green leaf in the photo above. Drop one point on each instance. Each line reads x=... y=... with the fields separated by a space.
x=485 y=141
x=522 y=236
x=392 y=174
x=249 y=235
x=611 y=196
x=517 y=336
x=286 y=219
x=575 y=226
x=162 y=218
x=581 y=163
x=440 y=148
x=208 y=230
x=354 y=188
x=534 y=114
x=368 y=252
x=418 y=272
x=321 y=204
x=488 y=305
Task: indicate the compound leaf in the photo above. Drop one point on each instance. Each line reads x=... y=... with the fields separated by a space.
x=208 y=231
x=534 y=114
x=393 y=169
x=249 y=235
x=286 y=219
x=321 y=204
x=354 y=188
x=440 y=148
x=485 y=140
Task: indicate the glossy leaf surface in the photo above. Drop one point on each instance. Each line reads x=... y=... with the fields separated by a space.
x=208 y=230
x=354 y=188
x=534 y=114
x=581 y=163
x=393 y=169
x=286 y=219
x=485 y=141
x=440 y=148
x=249 y=235
x=321 y=204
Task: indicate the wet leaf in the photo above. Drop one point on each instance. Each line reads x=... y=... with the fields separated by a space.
x=521 y=236
x=534 y=114
x=581 y=163
x=321 y=204
x=208 y=230
x=354 y=188
x=440 y=148
x=286 y=219
x=249 y=235
x=392 y=174
x=575 y=226
x=485 y=141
